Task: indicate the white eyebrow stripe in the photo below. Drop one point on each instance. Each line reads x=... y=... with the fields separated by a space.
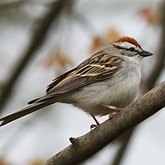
x=127 y=45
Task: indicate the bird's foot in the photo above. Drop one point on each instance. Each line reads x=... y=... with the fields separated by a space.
x=115 y=110
x=92 y=126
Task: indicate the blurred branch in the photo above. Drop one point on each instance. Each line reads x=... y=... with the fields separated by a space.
x=85 y=24
x=124 y=143
x=10 y=4
x=87 y=145
x=159 y=65
x=147 y=85
x=39 y=36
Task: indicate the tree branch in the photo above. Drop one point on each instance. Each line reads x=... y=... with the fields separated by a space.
x=160 y=57
x=90 y=143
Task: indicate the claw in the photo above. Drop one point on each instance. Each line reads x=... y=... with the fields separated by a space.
x=93 y=126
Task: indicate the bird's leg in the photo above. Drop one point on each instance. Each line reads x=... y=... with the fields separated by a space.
x=94 y=125
x=115 y=110
x=97 y=123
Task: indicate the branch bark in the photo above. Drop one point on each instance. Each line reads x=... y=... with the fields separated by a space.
x=90 y=143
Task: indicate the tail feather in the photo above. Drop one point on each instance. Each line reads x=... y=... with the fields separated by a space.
x=25 y=111
x=32 y=101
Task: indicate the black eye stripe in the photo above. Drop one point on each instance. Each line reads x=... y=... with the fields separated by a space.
x=132 y=49
x=129 y=49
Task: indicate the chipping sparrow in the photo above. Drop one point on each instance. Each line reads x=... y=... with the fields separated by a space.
x=111 y=76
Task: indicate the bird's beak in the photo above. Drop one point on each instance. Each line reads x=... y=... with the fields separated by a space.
x=146 y=53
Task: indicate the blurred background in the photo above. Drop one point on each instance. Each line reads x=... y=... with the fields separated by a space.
x=40 y=40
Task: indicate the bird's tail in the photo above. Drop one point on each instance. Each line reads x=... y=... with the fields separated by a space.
x=23 y=112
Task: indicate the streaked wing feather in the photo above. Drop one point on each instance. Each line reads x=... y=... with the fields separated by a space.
x=58 y=79
x=69 y=84
x=96 y=68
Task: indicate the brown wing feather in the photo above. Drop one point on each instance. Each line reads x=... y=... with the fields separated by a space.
x=52 y=85
x=97 y=68
x=58 y=79
x=63 y=76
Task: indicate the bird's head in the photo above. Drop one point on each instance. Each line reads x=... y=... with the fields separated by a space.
x=128 y=46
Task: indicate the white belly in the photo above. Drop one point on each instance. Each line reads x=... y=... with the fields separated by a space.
x=122 y=93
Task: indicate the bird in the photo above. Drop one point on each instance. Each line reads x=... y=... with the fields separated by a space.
x=106 y=81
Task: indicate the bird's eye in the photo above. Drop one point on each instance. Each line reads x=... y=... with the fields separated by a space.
x=132 y=49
